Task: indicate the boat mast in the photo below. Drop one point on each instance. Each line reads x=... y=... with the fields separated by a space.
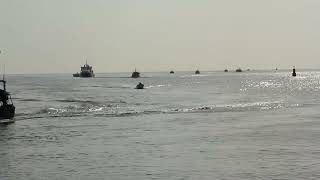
x=3 y=76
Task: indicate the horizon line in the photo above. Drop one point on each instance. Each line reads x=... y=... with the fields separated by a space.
x=233 y=70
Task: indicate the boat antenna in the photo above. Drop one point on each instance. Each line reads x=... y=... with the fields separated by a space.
x=3 y=76
x=3 y=69
x=4 y=72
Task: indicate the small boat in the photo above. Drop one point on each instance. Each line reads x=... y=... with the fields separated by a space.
x=171 y=72
x=76 y=74
x=239 y=70
x=226 y=70
x=135 y=74
x=197 y=71
x=140 y=86
x=294 y=74
x=86 y=71
x=7 y=109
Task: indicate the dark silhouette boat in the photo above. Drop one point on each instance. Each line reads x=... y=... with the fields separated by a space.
x=226 y=70
x=135 y=74
x=171 y=72
x=197 y=71
x=140 y=86
x=239 y=70
x=294 y=74
x=86 y=71
x=7 y=109
x=76 y=74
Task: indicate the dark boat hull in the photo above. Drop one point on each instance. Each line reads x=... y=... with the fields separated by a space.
x=86 y=74
x=135 y=75
x=7 y=112
x=140 y=86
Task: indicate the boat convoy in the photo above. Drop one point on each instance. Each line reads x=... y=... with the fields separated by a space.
x=7 y=109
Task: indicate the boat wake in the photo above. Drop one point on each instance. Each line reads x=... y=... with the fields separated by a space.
x=118 y=110
x=157 y=86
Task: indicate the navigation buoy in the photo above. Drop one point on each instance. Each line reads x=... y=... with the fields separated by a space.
x=294 y=74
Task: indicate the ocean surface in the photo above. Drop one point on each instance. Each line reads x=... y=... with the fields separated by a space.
x=216 y=125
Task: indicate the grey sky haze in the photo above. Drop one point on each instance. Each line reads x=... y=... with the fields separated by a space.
x=49 y=36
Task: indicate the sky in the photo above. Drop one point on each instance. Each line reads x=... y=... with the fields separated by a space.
x=57 y=36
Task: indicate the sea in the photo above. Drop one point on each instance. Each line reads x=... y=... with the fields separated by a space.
x=182 y=126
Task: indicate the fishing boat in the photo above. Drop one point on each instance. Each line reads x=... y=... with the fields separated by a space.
x=135 y=74
x=197 y=71
x=86 y=72
x=7 y=109
x=140 y=86
x=239 y=70
x=76 y=74
x=226 y=70
x=171 y=72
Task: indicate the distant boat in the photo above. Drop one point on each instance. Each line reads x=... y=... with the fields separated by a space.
x=7 y=109
x=226 y=70
x=135 y=74
x=76 y=74
x=171 y=72
x=197 y=71
x=140 y=86
x=294 y=74
x=239 y=70
x=86 y=72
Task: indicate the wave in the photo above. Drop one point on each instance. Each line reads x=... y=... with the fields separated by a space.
x=241 y=107
x=155 y=86
x=194 y=75
x=89 y=102
x=76 y=101
x=27 y=100
x=119 y=87
x=116 y=111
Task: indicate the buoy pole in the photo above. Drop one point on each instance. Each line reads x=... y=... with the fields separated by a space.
x=294 y=74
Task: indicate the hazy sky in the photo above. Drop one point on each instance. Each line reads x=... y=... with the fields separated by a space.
x=48 y=36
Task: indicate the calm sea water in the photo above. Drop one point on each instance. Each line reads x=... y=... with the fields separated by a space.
x=251 y=125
